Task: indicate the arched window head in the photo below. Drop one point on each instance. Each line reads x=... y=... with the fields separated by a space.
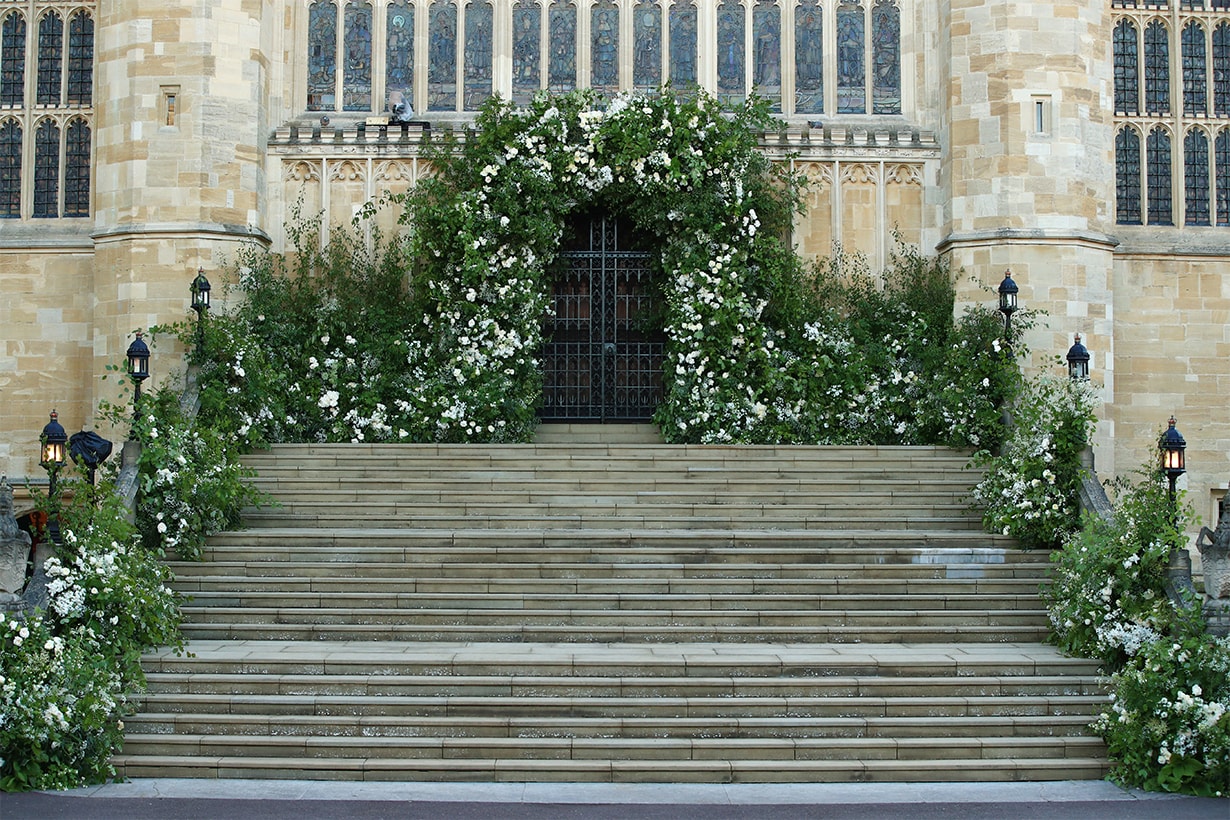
x=50 y=58
x=1157 y=68
x=1127 y=177
x=47 y=169
x=10 y=169
x=1195 y=67
x=77 y=169
x=13 y=59
x=1127 y=65
x=1158 y=165
x=81 y=59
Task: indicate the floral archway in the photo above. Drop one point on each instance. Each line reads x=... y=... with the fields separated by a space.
x=488 y=224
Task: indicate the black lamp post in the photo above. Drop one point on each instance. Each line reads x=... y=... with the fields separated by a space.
x=1078 y=361
x=1172 y=446
x=1007 y=302
x=138 y=369
x=200 y=303
x=52 y=457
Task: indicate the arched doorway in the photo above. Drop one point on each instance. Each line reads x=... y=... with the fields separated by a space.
x=602 y=360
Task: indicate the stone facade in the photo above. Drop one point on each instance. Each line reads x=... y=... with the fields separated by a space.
x=1000 y=154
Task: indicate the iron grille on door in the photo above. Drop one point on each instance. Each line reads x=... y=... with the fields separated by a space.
x=603 y=355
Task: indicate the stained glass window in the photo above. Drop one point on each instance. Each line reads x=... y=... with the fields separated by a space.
x=851 y=79
x=1127 y=59
x=647 y=45
x=1221 y=70
x=1196 y=178
x=399 y=55
x=442 y=56
x=10 y=169
x=77 y=169
x=357 y=68
x=1157 y=69
x=562 y=62
x=81 y=59
x=50 y=58
x=730 y=22
x=47 y=170
x=13 y=60
x=1221 y=155
x=683 y=44
x=477 y=54
x=322 y=56
x=1127 y=177
x=1157 y=153
x=604 y=47
x=767 y=52
x=526 y=52
x=1195 y=81
x=886 y=58
x=808 y=58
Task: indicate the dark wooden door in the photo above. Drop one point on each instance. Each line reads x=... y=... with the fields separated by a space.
x=604 y=345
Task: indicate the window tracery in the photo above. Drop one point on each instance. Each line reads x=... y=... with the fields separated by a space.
x=1127 y=176
x=362 y=56
x=10 y=169
x=13 y=60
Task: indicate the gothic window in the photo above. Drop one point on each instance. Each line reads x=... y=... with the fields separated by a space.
x=730 y=23
x=357 y=66
x=886 y=58
x=77 y=169
x=47 y=169
x=1196 y=178
x=1127 y=83
x=1221 y=150
x=562 y=59
x=478 y=54
x=527 y=16
x=767 y=52
x=442 y=56
x=604 y=47
x=808 y=58
x=81 y=59
x=1221 y=70
x=1127 y=177
x=13 y=60
x=1195 y=84
x=1157 y=69
x=322 y=55
x=10 y=169
x=50 y=58
x=851 y=76
x=399 y=53
x=683 y=44
x=647 y=45
x=1157 y=152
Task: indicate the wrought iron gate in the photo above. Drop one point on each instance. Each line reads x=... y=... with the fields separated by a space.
x=603 y=355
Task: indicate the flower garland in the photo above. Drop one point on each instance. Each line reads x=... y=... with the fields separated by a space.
x=489 y=224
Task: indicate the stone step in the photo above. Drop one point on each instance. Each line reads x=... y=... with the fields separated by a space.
x=577 y=434
x=522 y=601
x=190 y=578
x=381 y=564
x=618 y=659
x=612 y=771
x=611 y=749
x=627 y=686
x=378 y=516
x=1034 y=630
x=484 y=726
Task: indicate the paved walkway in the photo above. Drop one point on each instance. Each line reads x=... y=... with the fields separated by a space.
x=176 y=799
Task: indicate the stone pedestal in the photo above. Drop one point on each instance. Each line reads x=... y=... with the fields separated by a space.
x=14 y=551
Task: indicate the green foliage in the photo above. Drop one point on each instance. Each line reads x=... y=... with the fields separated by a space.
x=64 y=672
x=1031 y=486
x=1168 y=725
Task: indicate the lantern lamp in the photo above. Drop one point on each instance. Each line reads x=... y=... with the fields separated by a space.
x=1078 y=361
x=52 y=457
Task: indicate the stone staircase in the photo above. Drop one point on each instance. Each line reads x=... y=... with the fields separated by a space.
x=598 y=607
